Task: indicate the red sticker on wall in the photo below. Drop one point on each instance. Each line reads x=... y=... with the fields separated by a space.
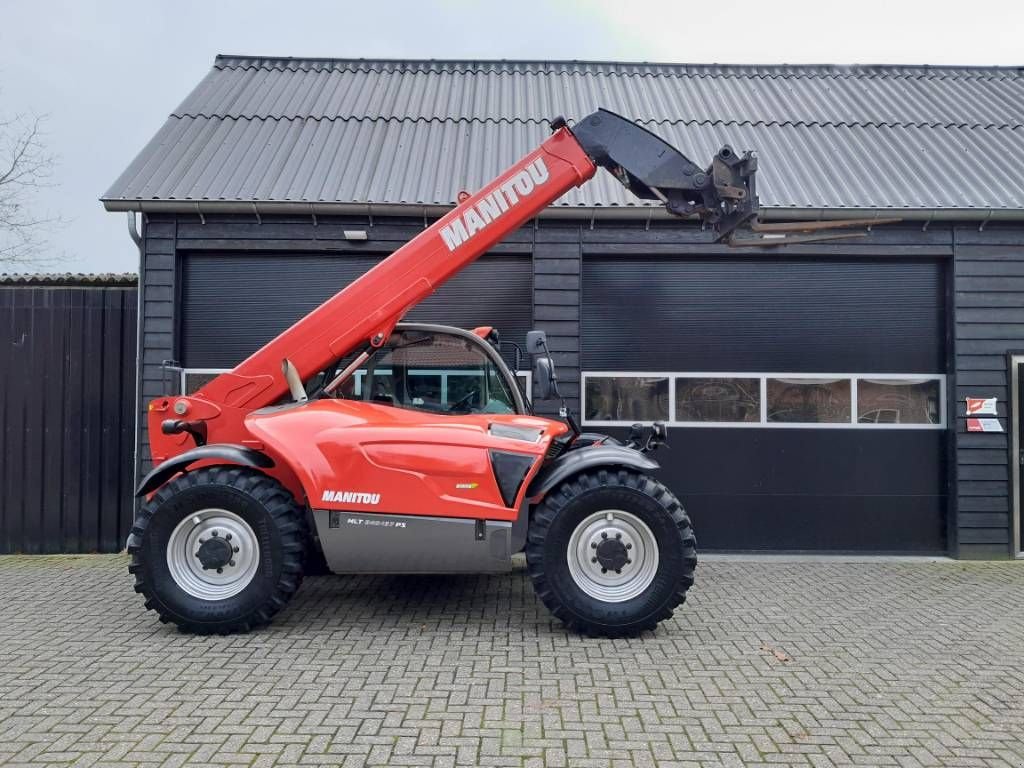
x=981 y=406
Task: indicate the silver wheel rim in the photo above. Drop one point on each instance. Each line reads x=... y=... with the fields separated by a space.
x=607 y=584
x=186 y=568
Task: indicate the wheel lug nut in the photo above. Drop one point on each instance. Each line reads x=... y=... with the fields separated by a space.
x=231 y=562
x=216 y=533
x=227 y=537
x=618 y=535
x=604 y=535
x=235 y=549
x=593 y=545
x=202 y=541
x=604 y=570
x=593 y=559
x=220 y=570
x=618 y=570
x=629 y=546
x=628 y=562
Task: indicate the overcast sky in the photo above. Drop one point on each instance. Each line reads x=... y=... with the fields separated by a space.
x=106 y=74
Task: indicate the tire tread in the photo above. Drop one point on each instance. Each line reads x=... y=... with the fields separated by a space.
x=279 y=504
x=557 y=500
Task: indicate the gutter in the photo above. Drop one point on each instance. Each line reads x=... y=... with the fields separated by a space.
x=618 y=212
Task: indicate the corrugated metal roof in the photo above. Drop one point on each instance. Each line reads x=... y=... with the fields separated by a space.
x=71 y=279
x=417 y=132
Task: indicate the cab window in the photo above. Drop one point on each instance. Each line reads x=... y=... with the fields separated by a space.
x=435 y=372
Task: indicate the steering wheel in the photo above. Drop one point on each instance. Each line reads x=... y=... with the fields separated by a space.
x=464 y=401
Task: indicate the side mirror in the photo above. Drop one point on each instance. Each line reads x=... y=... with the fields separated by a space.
x=543 y=365
x=543 y=377
x=536 y=343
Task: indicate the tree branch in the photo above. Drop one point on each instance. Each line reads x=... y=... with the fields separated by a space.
x=25 y=166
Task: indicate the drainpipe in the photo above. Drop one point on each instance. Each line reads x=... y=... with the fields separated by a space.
x=136 y=236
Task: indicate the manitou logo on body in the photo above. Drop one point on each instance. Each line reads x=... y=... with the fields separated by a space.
x=351 y=497
x=496 y=204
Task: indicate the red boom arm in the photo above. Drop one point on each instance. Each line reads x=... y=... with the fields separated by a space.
x=368 y=309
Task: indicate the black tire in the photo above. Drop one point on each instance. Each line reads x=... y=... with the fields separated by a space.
x=574 y=501
x=269 y=510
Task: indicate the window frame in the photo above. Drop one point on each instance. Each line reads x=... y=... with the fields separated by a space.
x=763 y=377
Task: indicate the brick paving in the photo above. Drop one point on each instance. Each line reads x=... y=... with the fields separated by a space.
x=770 y=663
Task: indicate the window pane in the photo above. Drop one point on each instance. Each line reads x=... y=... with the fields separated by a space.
x=626 y=398
x=525 y=385
x=809 y=401
x=732 y=399
x=898 y=401
x=437 y=372
x=498 y=397
x=196 y=381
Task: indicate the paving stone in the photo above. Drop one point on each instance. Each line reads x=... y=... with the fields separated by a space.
x=910 y=664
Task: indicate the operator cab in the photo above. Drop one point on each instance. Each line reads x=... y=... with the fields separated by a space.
x=438 y=369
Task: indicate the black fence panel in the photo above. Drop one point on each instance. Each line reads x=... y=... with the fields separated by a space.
x=67 y=418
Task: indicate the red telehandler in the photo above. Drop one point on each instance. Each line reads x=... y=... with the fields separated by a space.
x=384 y=447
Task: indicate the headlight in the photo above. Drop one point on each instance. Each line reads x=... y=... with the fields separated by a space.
x=526 y=434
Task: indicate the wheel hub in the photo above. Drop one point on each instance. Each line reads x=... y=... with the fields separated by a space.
x=213 y=554
x=612 y=555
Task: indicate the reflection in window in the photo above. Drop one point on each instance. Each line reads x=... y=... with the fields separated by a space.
x=898 y=401
x=196 y=380
x=809 y=401
x=627 y=398
x=437 y=372
x=708 y=399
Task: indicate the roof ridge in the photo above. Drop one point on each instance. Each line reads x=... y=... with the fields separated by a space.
x=648 y=122
x=240 y=61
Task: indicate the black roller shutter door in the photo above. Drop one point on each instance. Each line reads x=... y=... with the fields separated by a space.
x=764 y=315
x=761 y=488
x=231 y=304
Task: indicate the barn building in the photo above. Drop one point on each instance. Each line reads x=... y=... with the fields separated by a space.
x=816 y=394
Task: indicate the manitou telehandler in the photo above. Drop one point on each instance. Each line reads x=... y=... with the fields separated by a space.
x=385 y=447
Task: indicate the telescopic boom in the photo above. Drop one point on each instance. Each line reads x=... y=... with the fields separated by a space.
x=365 y=312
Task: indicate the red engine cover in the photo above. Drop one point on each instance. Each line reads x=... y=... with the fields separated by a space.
x=375 y=458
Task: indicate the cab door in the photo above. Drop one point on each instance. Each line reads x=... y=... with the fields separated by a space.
x=425 y=441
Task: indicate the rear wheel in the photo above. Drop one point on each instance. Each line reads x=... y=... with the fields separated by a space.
x=611 y=553
x=220 y=549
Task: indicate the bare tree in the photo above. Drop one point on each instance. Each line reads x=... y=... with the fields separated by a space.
x=25 y=167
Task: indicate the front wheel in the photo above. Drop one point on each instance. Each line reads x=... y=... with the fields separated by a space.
x=611 y=553
x=219 y=549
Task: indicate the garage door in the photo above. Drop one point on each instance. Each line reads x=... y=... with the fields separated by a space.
x=807 y=397
x=231 y=304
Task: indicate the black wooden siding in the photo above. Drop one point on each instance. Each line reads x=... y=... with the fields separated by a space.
x=989 y=310
x=67 y=432
x=979 y=525
x=556 y=307
x=157 y=283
